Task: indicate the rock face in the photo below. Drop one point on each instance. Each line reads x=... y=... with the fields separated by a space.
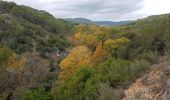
x=153 y=86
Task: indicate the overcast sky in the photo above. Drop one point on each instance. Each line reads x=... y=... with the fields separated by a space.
x=113 y=10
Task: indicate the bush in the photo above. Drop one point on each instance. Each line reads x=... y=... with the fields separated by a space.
x=3 y=95
x=149 y=56
x=37 y=94
x=106 y=92
x=85 y=83
x=5 y=53
x=115 y=72
x=138 y=67
x=74 y=87
x=52 y=45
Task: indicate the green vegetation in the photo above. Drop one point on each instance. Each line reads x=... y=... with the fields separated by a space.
x=26 y=36
x=5 y=54
x=37 y=94
x=102 y=61
x=85 y=83
x=128 y=52
x=24 y=28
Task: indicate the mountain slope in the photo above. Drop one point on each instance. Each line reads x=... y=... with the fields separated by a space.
x=101 y=23
x=21 y=26
x=79 y=20
x=110 y=23
x=29 y=40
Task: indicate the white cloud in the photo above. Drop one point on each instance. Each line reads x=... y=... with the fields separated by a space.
x=156 y=7
x=100 y=9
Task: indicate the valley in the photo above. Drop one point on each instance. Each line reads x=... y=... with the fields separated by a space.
x=47 y=58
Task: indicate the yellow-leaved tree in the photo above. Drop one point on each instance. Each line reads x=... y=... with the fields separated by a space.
x=98 y=55
x=78 y=56
x=79 y=38
x=15 y=62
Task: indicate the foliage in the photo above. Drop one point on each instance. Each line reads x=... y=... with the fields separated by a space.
x=98 y=54
x=78 y=56
x=84 y=39
x=3 y=95
x=37 y=94
x=15 y=62
x=91 y=29
x=44 y=19
x=5 y=53
x=23 y=29
x=101 y=59
x=89 y=35
x=112 y=46
x=73 y=87
x=106 y=92
x=52 y=45
x=86 y=81
x=138 y=67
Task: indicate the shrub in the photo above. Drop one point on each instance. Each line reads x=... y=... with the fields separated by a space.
x=149 y=56
x=138 y=67
x=5 y=53
x=85 y=83
x=37 y=94
x=106 y=92
x=74 y=87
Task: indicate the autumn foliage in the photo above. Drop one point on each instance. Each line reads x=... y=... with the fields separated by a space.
x=15 y=62
x=98 y=54
x=91 y=46
x=78 y=56
x=79 y=38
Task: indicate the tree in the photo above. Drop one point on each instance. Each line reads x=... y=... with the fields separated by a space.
x=99 y=52
x=85 y=83
x=15 y=62
x=91 y=29
x=79 y=38
x=111 y=46
x=78 y=56
x=5 y=54
x=37 y=94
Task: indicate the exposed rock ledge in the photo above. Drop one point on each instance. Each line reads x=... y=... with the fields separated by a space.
x=153 y=86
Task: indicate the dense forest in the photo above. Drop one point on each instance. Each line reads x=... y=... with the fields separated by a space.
x=44 y=58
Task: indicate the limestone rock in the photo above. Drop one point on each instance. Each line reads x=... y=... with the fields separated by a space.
x=153 y=86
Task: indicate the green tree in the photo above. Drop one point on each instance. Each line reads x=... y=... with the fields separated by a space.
x=112 y=46
x=5 y=54
x=37 y=94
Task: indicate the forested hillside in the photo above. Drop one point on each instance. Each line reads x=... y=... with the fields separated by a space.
x=22 y=26
x=29 y=40
x=104 y=61
x=44 y=58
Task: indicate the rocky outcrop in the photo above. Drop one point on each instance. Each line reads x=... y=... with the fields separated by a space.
x=153 y=86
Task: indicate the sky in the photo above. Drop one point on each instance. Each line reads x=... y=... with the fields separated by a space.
x=100 y=10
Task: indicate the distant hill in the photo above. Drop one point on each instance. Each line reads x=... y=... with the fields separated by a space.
x=102 y=23
x=110 y=23
x=79 y=20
